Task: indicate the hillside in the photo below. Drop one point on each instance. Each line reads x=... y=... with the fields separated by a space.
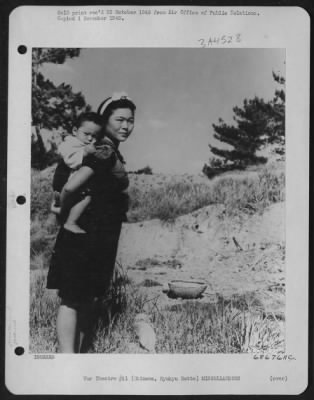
x=228 y=232
x=203 y=246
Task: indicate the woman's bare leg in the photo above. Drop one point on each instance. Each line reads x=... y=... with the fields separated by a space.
x=86 y=322
x=67 y=329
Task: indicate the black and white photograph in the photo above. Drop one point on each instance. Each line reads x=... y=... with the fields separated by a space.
x=199 y=193
x=160 y=182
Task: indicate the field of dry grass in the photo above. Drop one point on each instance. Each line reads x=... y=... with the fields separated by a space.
x=225 y=326
x=234 y=323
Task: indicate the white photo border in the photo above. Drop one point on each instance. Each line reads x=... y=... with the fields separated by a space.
x=35 y=26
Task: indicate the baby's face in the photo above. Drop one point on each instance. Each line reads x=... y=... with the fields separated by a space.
x=88 y=132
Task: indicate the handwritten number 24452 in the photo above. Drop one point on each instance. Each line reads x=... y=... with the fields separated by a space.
x=220 y=40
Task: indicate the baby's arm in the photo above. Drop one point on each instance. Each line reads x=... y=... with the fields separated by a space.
x=73 y=158
x=73 y=154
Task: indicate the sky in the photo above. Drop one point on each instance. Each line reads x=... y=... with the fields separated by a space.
x=179 y=93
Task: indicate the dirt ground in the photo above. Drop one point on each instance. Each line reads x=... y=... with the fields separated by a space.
x=239 y=255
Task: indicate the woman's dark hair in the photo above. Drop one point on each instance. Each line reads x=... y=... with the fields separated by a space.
x=112 y=106
x=88 y=116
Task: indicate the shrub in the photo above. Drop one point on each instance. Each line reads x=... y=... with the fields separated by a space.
x=41 y=193
x=145 y=171
x=174 y=199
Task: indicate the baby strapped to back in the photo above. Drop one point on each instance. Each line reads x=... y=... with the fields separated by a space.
x=87 y=134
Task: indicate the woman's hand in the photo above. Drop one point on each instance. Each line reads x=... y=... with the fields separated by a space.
x=55 y=209
x=89 y=149
x=103 y=151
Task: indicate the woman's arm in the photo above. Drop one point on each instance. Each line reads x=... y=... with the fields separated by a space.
x=70 y=191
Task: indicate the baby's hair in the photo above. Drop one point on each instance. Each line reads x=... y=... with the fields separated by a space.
x=90 y=117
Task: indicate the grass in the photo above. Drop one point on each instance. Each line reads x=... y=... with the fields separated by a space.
x=224 y=327
x=170 y=199
x=228 y=326
x=252 y=192
x=173 y=199
x=43 y=310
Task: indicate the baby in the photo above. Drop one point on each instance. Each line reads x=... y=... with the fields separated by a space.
x=86 y=134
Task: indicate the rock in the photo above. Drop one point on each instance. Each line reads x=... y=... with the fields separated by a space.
x=145 y=332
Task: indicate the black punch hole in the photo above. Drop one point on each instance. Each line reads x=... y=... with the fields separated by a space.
x=21 y=200
x=19 y=351
x=22 y=49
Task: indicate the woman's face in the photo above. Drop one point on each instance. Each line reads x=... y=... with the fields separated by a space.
x=120 y=124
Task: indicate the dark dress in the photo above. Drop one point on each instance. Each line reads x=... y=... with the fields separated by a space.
x=61 y=176
x=82 y=264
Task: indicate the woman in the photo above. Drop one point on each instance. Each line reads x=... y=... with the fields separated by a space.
x=82 y=264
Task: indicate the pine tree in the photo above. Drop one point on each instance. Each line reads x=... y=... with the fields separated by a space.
x=247 y=137
x=42 y=56
x=276 y=125
x=257 y=123
x=53 y=106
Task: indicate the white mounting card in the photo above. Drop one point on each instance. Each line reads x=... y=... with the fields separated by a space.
x=185 y=68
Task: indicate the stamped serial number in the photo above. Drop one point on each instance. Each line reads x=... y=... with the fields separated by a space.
x=44 y=356
x=220 y=40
